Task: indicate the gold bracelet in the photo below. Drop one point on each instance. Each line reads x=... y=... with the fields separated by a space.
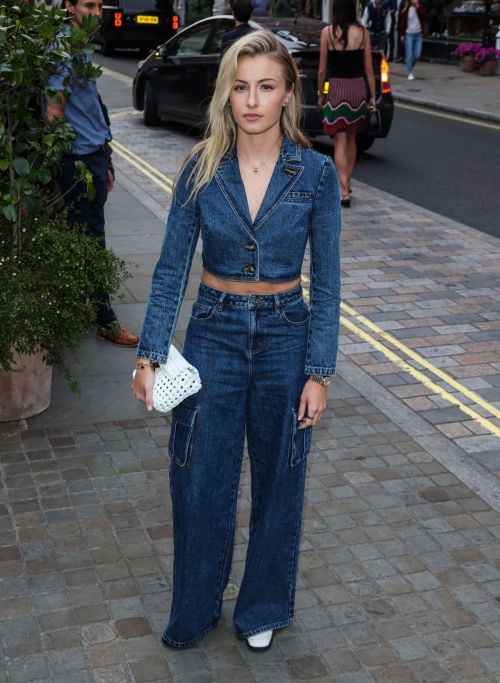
x=141 y=364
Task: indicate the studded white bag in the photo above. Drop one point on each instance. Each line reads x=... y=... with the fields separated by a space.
x=174 y=381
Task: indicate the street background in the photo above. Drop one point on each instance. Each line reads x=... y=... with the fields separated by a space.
x=400 y=564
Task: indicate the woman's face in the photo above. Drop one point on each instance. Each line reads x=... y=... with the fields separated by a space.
x=258 y=94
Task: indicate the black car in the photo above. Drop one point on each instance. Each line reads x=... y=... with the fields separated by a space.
x=176 y=81
x=136 y=23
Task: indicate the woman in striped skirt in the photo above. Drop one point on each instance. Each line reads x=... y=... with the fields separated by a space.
x=345 y=55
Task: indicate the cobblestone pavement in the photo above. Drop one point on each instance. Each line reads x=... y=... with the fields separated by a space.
x=399 y=576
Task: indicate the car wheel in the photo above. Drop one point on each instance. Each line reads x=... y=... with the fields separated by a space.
x=150 y=113
x=107 y=48
x=364 y=142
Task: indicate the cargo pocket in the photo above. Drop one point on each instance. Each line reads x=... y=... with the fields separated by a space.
x=300 y=442
x=182 y=434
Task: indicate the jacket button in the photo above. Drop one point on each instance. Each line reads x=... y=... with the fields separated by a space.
x=250 y=246
x=250 y=268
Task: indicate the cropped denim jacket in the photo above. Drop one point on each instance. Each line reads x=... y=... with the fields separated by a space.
x=301 y=203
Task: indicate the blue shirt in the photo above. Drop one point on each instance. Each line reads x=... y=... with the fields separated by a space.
x=83 y=111
x=261 y=8
x=301 y=205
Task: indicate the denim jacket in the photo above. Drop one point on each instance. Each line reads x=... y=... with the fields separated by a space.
x=301 y=203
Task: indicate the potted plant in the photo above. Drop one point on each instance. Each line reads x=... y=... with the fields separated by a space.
x=49 y=271
x=486 y=60
x=465 y=53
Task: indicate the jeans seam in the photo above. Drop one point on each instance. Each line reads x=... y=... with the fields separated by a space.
x=232 y=514
x=294 y=557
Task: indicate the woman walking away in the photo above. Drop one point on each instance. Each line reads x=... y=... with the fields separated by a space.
x=257 y=193
x=411 y=33
x=345 y=55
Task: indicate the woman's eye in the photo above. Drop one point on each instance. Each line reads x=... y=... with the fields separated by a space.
x=266 y=86
x=239 y=88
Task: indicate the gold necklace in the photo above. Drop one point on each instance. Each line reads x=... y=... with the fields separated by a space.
x=255 y=168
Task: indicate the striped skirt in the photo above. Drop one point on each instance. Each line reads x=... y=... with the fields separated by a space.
x=346 y=108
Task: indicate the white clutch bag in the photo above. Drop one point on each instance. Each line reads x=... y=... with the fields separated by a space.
x=174 y=381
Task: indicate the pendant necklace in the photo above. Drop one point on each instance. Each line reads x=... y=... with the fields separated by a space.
x=254 y=167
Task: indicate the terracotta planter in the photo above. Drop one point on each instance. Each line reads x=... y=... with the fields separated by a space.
x=466 y=63
x=25 y=391
x=488 y=68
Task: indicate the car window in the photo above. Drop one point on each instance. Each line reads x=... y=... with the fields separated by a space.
x=215 y=43
x=142 y=5
x=189 y=42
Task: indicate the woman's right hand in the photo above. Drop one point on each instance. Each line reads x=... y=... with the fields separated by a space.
x=142 y=386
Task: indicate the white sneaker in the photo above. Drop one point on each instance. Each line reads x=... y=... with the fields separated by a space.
x=411 y=77
x=261 y=641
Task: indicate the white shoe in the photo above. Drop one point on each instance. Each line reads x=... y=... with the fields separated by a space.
x=261 y=641
x=411 y=77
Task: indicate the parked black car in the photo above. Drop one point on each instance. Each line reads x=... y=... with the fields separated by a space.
x=176 y=81
x=136 y=23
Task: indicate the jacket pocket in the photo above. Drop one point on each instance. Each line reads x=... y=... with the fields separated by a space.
x=182 y=434
x=300 y=442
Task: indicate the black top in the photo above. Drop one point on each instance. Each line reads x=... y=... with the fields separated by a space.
x=231 y=36
x=346 y=63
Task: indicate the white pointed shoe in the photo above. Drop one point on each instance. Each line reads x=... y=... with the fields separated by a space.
x=261 y=641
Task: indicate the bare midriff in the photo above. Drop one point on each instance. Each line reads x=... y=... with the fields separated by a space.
x=237 y=287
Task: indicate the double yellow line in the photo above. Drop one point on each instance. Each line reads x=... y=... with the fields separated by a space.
x=366 y=329
x=142 y=165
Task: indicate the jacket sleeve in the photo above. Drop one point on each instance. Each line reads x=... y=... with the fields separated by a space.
x=171 y=274
x=324 y=238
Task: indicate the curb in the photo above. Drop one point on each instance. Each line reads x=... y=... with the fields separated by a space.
x=441 y=106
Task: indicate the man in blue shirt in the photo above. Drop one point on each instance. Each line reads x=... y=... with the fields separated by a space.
x=78 y=103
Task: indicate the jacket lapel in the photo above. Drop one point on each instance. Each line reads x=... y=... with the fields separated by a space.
x=286 y=173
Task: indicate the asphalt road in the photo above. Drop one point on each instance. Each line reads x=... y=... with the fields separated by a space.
x=446 y=166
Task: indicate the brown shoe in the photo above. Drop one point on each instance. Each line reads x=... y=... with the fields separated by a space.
x=117 y=335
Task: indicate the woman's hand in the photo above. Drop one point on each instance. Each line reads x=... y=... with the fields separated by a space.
x=312 y=404
x=321 y=100
x=142 y=386
x=372 y=103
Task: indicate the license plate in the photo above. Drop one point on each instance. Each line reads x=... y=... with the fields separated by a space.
x=145 y=19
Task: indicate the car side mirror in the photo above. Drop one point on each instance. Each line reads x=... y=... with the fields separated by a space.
x=163 y=51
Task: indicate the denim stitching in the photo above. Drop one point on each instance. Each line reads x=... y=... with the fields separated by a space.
x=294 y=558
x=188 y=643
x=268 y=627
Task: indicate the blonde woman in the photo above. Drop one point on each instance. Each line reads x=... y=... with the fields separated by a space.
x=257 y=194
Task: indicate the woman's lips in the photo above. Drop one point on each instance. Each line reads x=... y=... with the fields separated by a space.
x=252 y=117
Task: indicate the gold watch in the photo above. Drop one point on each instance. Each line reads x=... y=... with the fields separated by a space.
x=324 y=381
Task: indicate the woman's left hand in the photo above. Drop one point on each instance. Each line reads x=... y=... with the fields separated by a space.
x=321 y=100
x=313 y=403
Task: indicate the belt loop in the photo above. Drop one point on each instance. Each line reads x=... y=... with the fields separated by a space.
x=220 y=301
x=277 y=303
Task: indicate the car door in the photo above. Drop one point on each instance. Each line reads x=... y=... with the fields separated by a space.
x=212 y=56
x=179 y=78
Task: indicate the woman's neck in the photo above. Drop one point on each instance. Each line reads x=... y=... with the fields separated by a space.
x=258 y=147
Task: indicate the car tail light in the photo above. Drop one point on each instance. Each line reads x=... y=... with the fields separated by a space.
x=175 y=22
x=118 y=19
x=384 y=76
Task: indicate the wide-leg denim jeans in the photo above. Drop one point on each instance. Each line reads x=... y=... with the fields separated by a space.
x=250 y=352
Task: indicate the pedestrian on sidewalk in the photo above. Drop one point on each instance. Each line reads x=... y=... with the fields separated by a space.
x=257 y=192
x=411 y=33
x=345 y=54
x=377 y=19
x=78 y=103
x=242 y=11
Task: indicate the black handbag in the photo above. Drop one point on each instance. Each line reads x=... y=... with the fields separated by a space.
x=373 y=121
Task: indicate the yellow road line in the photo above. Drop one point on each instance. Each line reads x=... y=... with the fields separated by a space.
x=142 y=162
x=126 y=112
x=422 y=361
x=159 y=178
x=444 y=115
x=140 y=167
x=417 y=374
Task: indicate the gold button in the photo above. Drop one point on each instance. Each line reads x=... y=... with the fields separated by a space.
x=250 y=268
x=250 y=246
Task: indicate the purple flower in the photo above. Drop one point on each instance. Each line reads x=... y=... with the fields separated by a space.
x=466 y=49
x=484 y=54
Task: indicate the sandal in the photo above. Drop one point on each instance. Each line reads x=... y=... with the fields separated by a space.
x=345 y=201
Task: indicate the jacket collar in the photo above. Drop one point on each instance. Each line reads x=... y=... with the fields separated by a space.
x=286 y=173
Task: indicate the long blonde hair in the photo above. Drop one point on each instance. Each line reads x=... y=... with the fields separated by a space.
x=220 y=133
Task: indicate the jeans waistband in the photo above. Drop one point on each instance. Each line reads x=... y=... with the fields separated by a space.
x=274 y=301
